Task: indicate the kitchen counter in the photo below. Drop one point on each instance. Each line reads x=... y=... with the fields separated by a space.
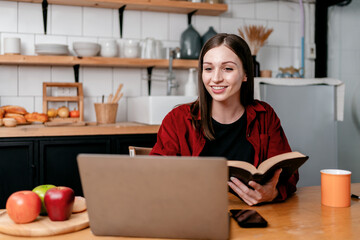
x=39 y=130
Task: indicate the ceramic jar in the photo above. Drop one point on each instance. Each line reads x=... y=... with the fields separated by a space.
x=209 y=34
x=152 y=49
x=131 y=49
x=190 y=43
x=12 y=46
x=109 y=48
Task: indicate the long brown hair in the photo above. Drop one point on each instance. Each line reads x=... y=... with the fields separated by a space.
x=203 y=104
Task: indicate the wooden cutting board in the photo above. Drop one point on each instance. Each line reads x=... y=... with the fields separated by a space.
x=43 y=226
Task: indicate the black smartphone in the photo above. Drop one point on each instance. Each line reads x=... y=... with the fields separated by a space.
x=248 y=218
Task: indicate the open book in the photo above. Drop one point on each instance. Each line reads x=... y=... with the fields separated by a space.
x=246 y=172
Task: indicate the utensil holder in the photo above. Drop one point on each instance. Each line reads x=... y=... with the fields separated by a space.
x=106 y=112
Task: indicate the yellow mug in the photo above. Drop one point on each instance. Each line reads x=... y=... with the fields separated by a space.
x=335 y=187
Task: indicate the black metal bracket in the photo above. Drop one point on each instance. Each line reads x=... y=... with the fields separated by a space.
x=76 y=72
x=44 y=12
x=121 y=19
x=190 y=14
x=149 y=72
x=321 y=34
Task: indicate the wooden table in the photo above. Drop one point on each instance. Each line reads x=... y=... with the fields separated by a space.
x=300 y=217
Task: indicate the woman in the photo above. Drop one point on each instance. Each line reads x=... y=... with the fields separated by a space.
x=226 y=120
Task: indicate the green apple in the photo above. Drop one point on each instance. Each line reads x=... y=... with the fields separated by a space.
x=40 y=191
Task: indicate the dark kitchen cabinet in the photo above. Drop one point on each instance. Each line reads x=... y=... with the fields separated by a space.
x=17 y=169
x=28 y=162
x=58 y=164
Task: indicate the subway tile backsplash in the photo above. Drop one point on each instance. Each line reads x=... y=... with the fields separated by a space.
x=71 y=25
x=8 y=16
x=22 y=85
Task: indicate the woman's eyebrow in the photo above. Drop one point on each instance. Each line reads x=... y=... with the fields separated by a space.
x=227 y=62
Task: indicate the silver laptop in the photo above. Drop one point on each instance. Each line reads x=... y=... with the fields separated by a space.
x=156 y=196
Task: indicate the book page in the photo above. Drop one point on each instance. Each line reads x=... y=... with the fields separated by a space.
x=267 y=164
x=244 y=165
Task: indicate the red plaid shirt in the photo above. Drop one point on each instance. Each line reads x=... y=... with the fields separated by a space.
x=177 y=136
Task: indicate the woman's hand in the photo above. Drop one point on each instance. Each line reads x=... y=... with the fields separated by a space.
x=261 y=193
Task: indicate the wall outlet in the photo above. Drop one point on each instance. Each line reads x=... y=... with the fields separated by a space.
x=311 y=51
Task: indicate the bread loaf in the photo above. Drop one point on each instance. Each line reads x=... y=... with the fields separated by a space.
x=18 y=117
x=14 y=109
x=36 y=117
x=2 y=113
x=79 y=204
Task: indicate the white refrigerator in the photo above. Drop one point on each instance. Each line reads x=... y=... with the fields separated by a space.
x=308 y=115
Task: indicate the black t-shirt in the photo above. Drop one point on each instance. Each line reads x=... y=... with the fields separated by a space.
x=230 y=141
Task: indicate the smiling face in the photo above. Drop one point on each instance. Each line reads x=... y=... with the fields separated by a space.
x=223 y=75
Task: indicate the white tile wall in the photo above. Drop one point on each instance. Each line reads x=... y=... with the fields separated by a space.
x=8 y=16
x=30 y=18
x=177 y=24
x=131 y=24
x=266 y=10
x=66 y=20
x=97 y=22
x=62 y=74
x=242 y=9
x=97 y=81
x=203 y=23
x=31 y=79
x=8 y=81
x=281 y=34
x=26 y=102
x=289 y=11
x=155 y=25
x=23 y=85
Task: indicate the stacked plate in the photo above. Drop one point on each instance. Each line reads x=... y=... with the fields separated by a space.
x=51 y=49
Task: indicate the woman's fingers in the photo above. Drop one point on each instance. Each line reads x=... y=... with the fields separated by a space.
x=243 y=191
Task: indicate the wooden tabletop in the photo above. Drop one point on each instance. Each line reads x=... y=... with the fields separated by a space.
x=39 y=130
x=300 y=217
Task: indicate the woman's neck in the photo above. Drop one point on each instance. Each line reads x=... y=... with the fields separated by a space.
x=227 y=112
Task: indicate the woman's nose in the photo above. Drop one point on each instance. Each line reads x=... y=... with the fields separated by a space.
x=217 y=77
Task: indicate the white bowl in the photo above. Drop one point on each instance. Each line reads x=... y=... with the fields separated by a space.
x=86 y=49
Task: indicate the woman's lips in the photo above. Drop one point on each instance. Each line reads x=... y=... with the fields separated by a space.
x=218 y=89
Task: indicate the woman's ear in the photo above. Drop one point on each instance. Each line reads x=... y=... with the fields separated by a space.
x=245 y=79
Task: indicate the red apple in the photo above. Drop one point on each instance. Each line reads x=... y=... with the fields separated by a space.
x=59 y=203
x=23 y=206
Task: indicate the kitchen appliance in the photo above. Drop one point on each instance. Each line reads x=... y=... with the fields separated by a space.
x=308 y=116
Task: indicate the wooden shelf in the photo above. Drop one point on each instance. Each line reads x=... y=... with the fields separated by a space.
x=94 y=61
x=144 y=5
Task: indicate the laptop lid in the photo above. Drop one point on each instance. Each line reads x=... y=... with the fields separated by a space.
x=156 y=196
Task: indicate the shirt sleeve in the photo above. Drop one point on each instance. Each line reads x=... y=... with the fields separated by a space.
x=167 y=143
x=278 y=144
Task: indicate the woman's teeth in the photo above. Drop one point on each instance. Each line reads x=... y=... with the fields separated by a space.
x=218 y=88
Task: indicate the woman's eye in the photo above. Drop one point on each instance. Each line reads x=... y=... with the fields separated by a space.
x=229 y=69
x=207 y=68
